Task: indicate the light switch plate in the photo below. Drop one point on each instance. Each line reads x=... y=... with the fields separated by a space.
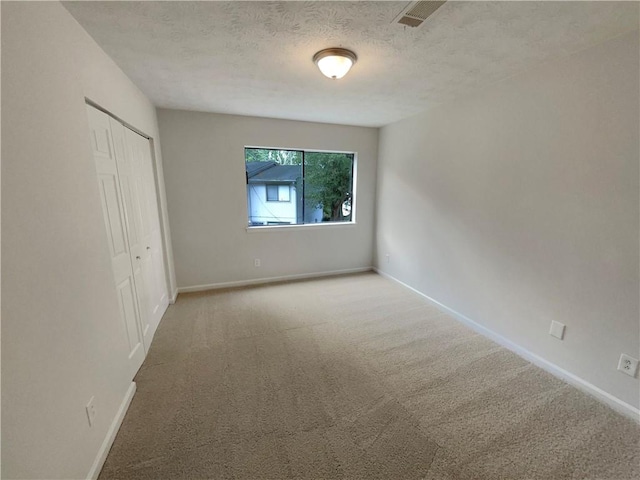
x=557 y=329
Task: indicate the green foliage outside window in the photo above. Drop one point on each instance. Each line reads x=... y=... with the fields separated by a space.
x=327 y=179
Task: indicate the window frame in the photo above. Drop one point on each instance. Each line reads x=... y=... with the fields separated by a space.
x=303 y=226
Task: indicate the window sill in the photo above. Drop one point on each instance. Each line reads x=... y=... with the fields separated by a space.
x=305 y=226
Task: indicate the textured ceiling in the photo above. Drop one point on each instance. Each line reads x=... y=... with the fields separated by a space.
x=254 y=58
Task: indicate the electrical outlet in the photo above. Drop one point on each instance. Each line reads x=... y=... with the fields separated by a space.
x=388 y=257
x=256 y=262
x=91 y=411
x=557 y=329
x=628 y=365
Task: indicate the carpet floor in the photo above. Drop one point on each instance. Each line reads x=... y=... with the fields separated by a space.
x=352 y=377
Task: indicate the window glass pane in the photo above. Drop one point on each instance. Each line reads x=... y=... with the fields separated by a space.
x=272 y=193
x=296 y=187
x=328 y=183
x=283 y=193
x=281 y=157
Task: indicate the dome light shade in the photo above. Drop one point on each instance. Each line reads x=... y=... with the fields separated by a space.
x=334 y=62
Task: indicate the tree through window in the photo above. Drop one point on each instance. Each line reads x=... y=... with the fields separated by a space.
x=298 y=187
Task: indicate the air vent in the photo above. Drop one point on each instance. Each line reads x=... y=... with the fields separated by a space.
x=417 y=12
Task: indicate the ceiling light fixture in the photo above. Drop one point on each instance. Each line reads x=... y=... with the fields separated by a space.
x=334 y=62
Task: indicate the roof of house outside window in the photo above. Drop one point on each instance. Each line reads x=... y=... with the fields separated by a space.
x=271 y=172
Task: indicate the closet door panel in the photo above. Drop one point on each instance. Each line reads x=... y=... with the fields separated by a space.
x=160 y=292
x=153 y=260
x=135 y=182
x=115 y=220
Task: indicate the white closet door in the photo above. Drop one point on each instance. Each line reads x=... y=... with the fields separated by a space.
x=156 y=298
x=143 y=253
x=133 y=196
x=113 y=209
x=159 y=296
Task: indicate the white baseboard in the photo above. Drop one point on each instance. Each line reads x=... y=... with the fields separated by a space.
x=174 y=297
x=605 y=397
x=260 y=281
x=111 y=434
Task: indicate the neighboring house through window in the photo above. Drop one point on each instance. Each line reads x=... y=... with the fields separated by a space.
x=298 y=187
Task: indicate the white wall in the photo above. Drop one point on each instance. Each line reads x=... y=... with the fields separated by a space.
x=520 y=205
x=62 y=337
x=206 y=193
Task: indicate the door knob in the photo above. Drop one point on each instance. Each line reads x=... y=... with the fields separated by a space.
x=138 y=257
x=148 y=248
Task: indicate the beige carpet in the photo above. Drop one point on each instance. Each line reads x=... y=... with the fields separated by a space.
x=352 y=377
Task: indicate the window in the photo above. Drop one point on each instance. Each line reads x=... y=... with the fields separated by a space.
x=296 y=187
x=278 y=193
